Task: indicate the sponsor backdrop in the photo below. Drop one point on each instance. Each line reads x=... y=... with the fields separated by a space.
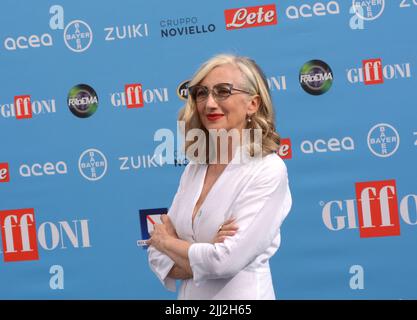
x=90 y=89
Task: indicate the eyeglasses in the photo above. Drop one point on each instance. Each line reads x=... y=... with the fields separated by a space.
x=220 y=91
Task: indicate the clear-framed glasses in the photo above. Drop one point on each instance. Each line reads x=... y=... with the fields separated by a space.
x=220 y=91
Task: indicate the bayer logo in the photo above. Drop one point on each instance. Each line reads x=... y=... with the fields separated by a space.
x=78 y=36
x=368 y=10
x=92 y=164
x=383 y=140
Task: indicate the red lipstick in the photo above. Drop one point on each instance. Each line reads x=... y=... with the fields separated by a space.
x=214 y=116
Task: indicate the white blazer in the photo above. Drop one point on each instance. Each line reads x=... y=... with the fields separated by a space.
x=257 y=194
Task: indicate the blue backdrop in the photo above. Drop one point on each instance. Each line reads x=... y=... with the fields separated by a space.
x=85 y=85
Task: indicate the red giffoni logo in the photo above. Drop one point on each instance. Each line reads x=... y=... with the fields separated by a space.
x=4 y=172
x=134 y=95
x=377 y=209
x=18 y=231
x=285 y=150
x=23 y=107
x=250 y=17
x=372 y=71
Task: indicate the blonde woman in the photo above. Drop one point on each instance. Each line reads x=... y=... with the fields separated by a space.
x=224 y=223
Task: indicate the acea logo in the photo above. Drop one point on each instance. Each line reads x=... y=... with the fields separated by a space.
x=82 y=101
x=316 y=77
x=25 y=42
x=92 y=164
x=78 y=36
x=378 y=212
x=309 y=10
x=368 y=10
x=46 y=169
x=330 y=145
x=383 y=140
x=182 y=90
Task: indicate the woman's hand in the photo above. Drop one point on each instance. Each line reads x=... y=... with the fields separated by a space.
x=169 y=226
x=227 y=229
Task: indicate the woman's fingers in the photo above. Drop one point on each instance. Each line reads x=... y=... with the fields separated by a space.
x=227 y=233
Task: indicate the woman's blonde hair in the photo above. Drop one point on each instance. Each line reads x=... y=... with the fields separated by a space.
x=254 y=82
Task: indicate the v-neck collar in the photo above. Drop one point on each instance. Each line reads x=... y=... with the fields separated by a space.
x=203 y=169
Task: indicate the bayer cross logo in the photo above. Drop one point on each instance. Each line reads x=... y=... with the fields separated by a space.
x=368 y=10
x=383 y=140
x=92 y=164
x=78 y=36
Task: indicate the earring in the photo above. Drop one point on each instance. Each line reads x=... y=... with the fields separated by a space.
x=249 y=119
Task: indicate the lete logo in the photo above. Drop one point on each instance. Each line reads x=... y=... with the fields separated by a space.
x=250 y=17
x=4 y=172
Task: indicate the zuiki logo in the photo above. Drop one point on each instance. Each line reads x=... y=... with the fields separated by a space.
x=4 y=172
x=25 y=108
x=136 y=96
x=374 y=72
x=78 y=36
x=285 y=150
x=92 y=164
x=140 y=162
x=20 y=236
x=182 y=90
x=383 y=140
x=184 y=27
x=368 y=10
x=32 y=41
x=316 y=77
x=250 y=17
x=82 y=101
x=377 y=209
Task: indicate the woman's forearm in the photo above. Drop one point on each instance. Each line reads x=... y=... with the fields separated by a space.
x=177 y=250
x=179 y=273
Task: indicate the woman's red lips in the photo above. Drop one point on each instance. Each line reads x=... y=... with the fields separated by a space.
x=214 y=116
